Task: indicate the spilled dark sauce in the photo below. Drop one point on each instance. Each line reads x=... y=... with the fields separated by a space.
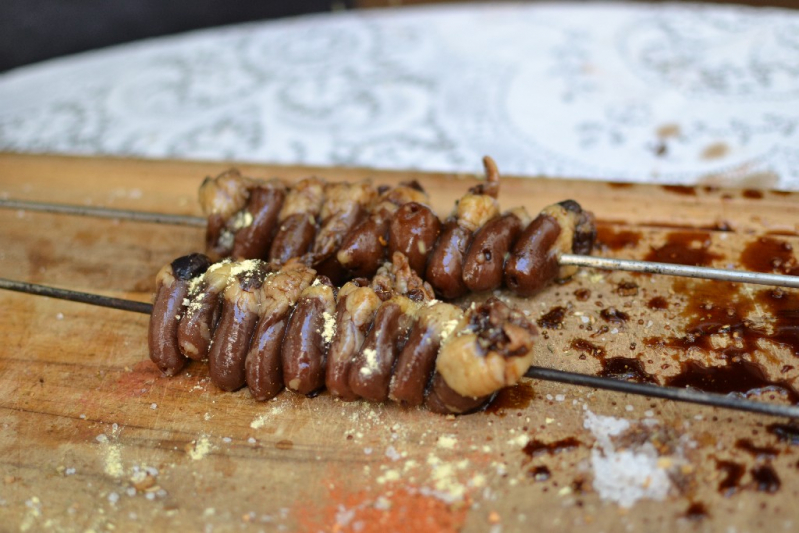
x=753 y=194
x=609 y=238
x=622 y=368
x=715 y=309
x=685 y=190
x=737 y=376
x=582 y=295
x=588 y=347
x=517 y=397
x=685 y=248
x=733 y=473
x=767 y=254
x=614 y=316
x=553 y=319
x=626 y=369
x=658 y=303
x=766 y=479
x=536 y=448
x=785 y=432
x=696 y=511
x=539 y=473
x=758 y=452
x=627 y=288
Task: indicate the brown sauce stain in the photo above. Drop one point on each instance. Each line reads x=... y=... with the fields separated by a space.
x=716 y=309
x=767 y=254
x=658 y=303
x=684 y=190
x=587 y=347
x=753 y=194
x=609 y=238
x=766 y=479
x=284 y=445
x=626 y=369
x=733 y=473
x=517 y=397
x=627 y=288
x=539 y=473
x=696 y=511
x=553 y=319
x=537 y=448
x=744 y=377
x=785 y=432
x=758 y=452
x=582 y=295
x=685 y=248
x=614 y=316
x=782 y=233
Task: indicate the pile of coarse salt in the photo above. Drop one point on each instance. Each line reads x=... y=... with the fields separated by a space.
x=626 y=475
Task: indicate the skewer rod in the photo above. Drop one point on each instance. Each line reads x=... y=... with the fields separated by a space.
x=76 y=296
x=589 y=261
x=535 y=372
x=647 y=267
x=105 y=212
x=667 y=393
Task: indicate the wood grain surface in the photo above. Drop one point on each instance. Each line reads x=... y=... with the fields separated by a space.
x=93 y=438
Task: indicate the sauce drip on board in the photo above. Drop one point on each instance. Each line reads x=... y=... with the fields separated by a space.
x=685 y=248
x=517 y=397
x=610 y=238
x=767 y=254
x=723 y=321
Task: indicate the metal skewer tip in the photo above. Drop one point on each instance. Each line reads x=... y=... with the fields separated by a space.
x=535 y=372
x=76 y=296
x=686 y=271
x=105 y=212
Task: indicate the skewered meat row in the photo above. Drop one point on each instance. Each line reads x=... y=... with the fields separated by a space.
x=347 y=230
x=272 y=326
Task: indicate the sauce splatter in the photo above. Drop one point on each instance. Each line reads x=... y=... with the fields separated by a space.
x=759 y=452
x=627 y=288
x=588 y=347
x=553 y=319
x=614 y=316
x=753 y=194
x=733 y=473
x=609 y=238
x=685 y=248
x=626 y=369
x=766 y=479
x=739 y=376
x=658 y=303
x=785 y=432
x=696 y=511
x=517 y=397
x=582 y=295
x=536 y=448
x=680 y=189
x=539 y=473
x=767 y=254
x=715 y=309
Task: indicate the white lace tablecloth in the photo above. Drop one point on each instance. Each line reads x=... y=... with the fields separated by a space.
x=666 y=93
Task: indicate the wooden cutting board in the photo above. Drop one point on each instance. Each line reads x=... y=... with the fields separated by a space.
x=93 y=438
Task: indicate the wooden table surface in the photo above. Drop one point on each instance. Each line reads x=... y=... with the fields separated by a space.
x=93 y=438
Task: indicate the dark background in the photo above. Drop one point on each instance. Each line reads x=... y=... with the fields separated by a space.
x=34 y=30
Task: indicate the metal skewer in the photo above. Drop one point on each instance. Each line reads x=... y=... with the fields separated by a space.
x=588 y=261
x=535 y=372
x=105 y=212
